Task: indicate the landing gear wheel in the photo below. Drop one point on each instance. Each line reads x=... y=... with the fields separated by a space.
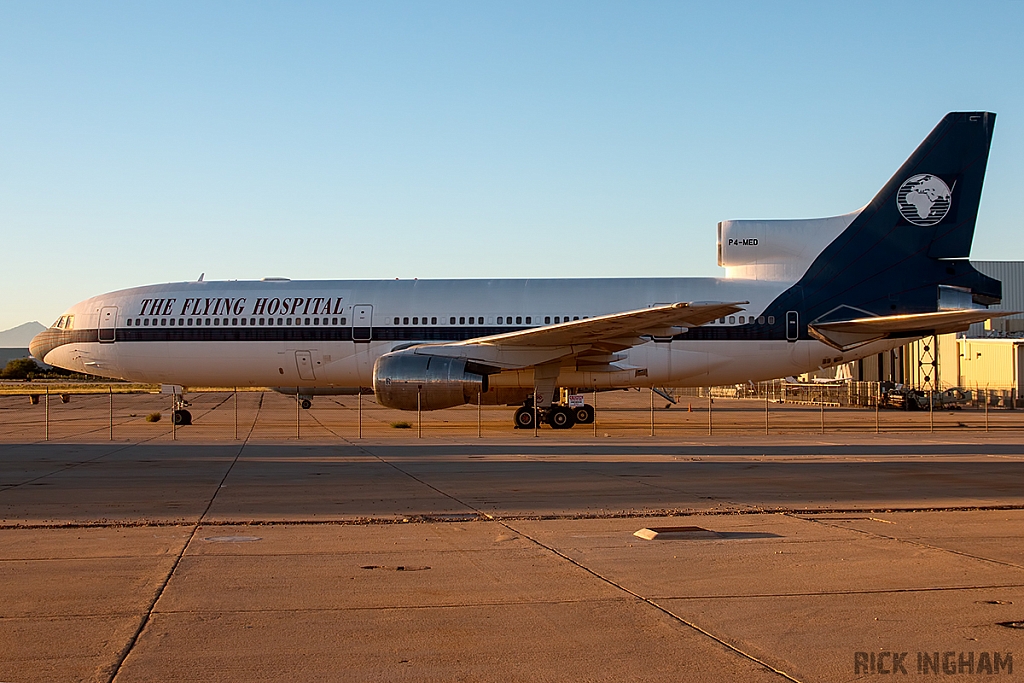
x=182 y=417
x=524 y=417
x=561 y=417
x=584 y=414
x=306 y=404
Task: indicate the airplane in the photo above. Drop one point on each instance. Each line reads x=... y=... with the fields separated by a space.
x=798 y=295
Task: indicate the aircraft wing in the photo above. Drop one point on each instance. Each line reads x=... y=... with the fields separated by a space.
x=849 y=334
x=600 y=334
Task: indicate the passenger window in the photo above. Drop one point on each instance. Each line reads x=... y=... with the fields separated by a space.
x=558 y=319
x=415 y=321
x=575 y=317
x=189 y=322
x=771 y=320
x=334 y=321
x=519 y=320
x=462 y=320
x=547 y=320
x=732 y=319
x=129 y=322
x=289 y=321
x=163 y=322
x=451 y=320
x=528 y=320
x=145 y=322
x=234 y=321
x=433 y=321
x=307 y=321
x=216 y=321
x=252 y=321
x=760 y=320
x=405 y=321
x=280 y=321
x=342 y=321
x=721 y=320
x=500 y=319
x=741 y=320
x=243 y=322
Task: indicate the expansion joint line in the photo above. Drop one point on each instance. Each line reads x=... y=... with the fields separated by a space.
x=398 y=469
x=918 y=544
x=144 y=622
x=664 y=610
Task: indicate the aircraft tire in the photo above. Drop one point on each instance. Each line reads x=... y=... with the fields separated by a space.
x=306 y=404
x=524 y=417
x=584 y=415
x=182 y=418
x=561 y=417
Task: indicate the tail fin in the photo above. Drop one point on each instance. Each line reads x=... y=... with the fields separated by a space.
x=912 y=239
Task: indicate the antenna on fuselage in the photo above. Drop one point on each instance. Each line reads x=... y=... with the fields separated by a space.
x=201 y=276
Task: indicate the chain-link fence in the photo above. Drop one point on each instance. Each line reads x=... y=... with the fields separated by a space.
x=36 y=411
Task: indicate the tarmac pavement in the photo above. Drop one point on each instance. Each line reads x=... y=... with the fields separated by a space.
x=826 y=558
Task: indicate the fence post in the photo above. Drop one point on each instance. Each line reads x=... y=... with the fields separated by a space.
x=766 y=409
x=46 y=415
x=236 y=413
x=821 y=406
x=878 y=400
x=931 y=411
x=986 y=409
x=710 y=422
x=479 y=403
x=110 y=406
x=535 y=425
x=595 y=410
x=419 y=416
x=359 y=404
x=174 y=423
x=652 y=411
x=298 y=408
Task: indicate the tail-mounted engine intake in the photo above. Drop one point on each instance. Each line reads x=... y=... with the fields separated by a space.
x=398 y=378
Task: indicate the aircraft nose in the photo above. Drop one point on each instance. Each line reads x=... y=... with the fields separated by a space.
x=43 y=343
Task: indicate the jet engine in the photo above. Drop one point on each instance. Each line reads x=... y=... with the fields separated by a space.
x=438 y=382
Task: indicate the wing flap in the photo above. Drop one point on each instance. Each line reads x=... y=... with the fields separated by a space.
x=848 y=334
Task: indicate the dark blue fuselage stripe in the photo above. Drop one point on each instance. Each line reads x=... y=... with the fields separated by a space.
x=753 y=332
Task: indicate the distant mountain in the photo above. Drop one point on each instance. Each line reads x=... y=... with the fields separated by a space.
x=19 y=337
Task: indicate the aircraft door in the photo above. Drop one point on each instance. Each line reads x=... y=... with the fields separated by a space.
x=108 y=322
x=362 y=323
x=304 y=363
x=792 y=326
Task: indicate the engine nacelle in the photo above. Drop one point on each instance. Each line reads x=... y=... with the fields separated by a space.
x=440 y=382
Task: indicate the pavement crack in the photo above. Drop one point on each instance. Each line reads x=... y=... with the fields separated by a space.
x=919 y=544
x=144 y=621
x=653 y=603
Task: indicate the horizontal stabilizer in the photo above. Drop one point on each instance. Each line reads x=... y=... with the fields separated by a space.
x=848 y=334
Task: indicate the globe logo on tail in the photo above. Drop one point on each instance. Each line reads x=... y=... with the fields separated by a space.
x=924 y=199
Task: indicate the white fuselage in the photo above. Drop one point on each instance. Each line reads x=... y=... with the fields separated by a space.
x=300 y=333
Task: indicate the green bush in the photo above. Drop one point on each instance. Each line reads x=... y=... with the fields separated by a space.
x=401 y=425
x=20 y=368
x=153 y=417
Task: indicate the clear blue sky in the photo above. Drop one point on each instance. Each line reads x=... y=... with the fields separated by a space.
x=149 y=142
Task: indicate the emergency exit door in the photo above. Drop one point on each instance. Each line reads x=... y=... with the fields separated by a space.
x=108 y=324
x=362 y=323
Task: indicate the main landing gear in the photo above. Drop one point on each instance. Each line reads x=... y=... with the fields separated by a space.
x=559 y=416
